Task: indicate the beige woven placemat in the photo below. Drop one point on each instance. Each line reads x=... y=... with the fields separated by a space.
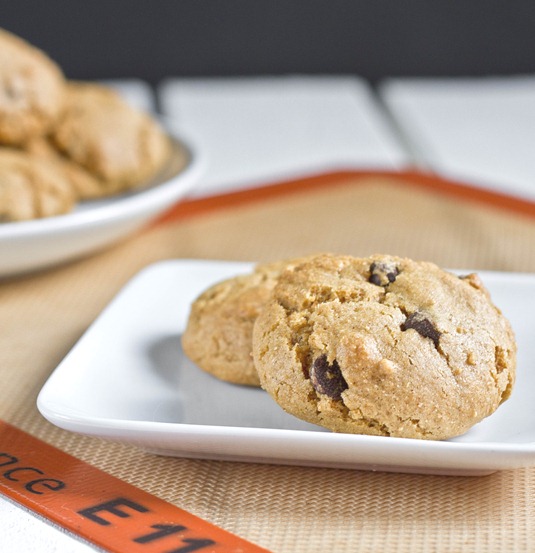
x=285 y=509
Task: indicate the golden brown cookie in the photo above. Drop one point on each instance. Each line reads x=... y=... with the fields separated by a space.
x=385 y=346
x=31 y=188
x=218 y=336
x=122 y=147
x=32 y=90
x=85 y=185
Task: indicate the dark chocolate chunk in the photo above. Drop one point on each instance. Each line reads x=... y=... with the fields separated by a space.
x=422 y=325
x=327 y=379
x=382 y=274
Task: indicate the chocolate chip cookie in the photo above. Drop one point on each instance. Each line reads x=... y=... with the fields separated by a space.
x=218 y=336
x=384 y=346
x=32 y=89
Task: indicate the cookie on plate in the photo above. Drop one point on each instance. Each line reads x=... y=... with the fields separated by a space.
x=31 y=188
x=85 y=185
x=32 y=90
x=122 y=147
x=218 y=336
x=385 y=346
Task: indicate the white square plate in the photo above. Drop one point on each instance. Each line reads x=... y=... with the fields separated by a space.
x=127 y=379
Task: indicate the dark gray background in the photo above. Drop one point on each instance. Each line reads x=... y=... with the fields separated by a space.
x=160 y=38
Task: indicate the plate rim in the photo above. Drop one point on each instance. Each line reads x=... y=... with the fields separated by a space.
x=71 y=421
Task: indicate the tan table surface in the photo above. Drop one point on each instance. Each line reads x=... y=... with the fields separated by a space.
x=288 y=509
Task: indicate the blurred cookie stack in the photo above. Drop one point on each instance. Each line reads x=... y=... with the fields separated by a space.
x=62 y=142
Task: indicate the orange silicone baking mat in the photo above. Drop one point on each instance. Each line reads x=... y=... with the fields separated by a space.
x=284 y=508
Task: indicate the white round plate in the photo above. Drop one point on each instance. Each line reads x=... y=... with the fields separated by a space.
x=37 y=244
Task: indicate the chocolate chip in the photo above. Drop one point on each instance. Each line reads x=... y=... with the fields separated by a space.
x=419 y=322
x=327 y=379
x=383 y=273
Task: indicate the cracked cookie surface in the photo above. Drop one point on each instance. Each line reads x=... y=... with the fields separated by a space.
x=385 y=346
x=218 y=335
